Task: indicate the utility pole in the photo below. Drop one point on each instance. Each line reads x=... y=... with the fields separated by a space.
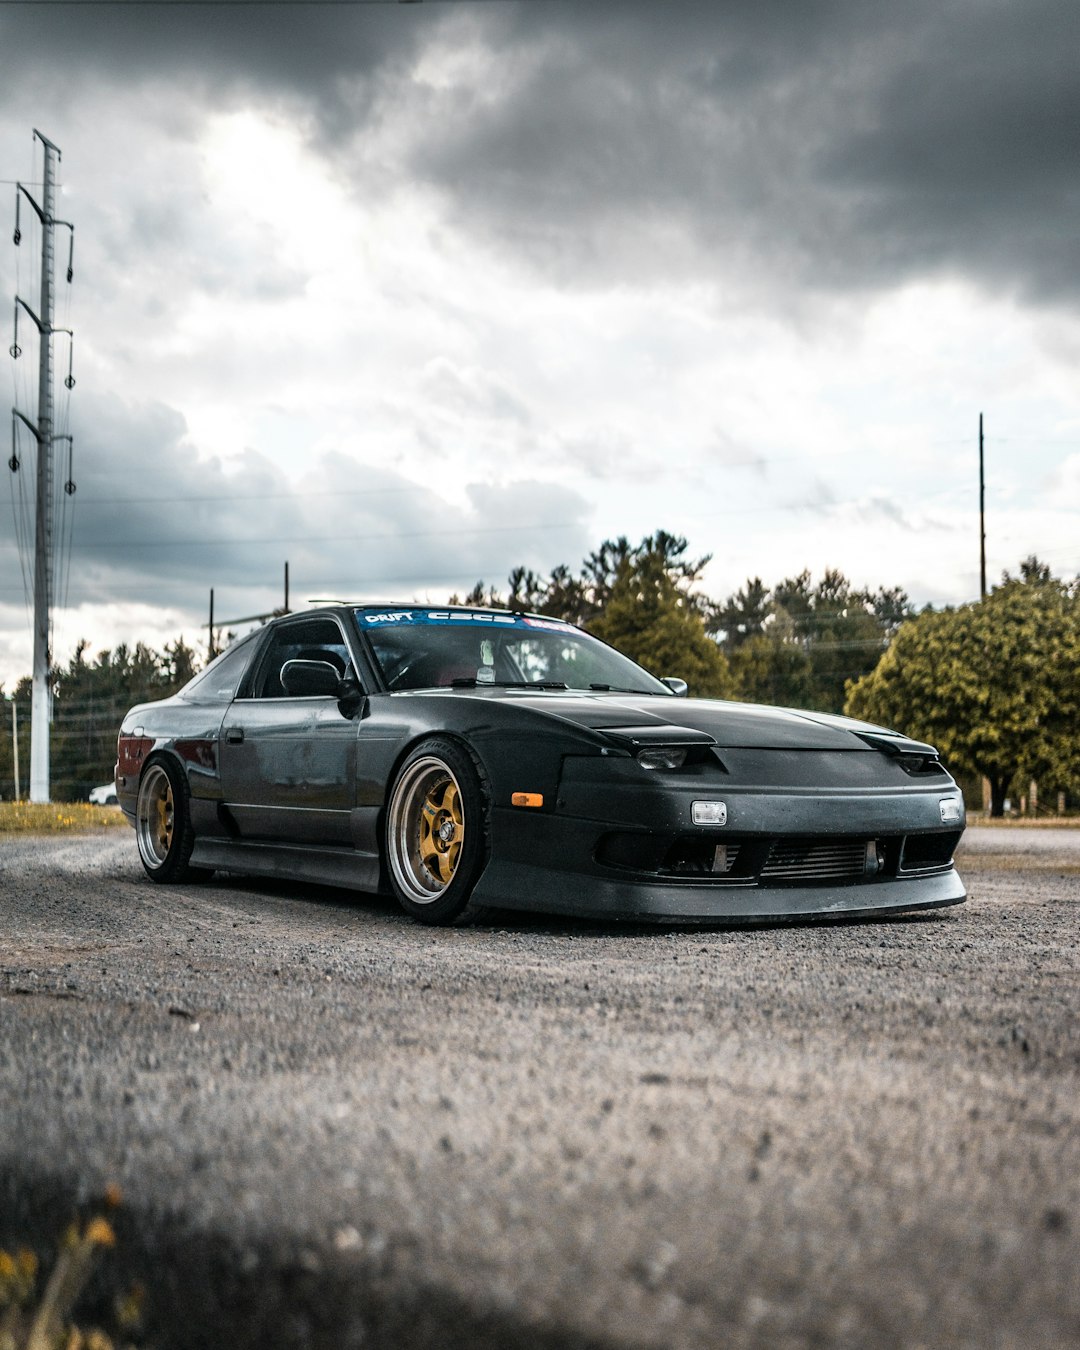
x=247 y=618
x=41 y=700
x=982 y=515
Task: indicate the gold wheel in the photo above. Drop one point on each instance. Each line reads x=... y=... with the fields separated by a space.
x=428 y=824
x=155 y=817
x=163 y=826
x=165 y=820
x=441 y=829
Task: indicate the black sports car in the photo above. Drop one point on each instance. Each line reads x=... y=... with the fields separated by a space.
x=462 y=758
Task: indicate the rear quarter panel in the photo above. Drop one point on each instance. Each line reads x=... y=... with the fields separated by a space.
x=184 y=732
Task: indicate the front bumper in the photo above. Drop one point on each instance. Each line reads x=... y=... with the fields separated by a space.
x=797 y=853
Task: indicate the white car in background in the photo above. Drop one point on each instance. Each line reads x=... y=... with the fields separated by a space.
x=104 y=795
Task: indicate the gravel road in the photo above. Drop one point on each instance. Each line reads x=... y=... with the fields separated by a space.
x=335 y=1128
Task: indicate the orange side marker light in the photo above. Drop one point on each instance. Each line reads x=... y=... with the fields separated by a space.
x=527 y=799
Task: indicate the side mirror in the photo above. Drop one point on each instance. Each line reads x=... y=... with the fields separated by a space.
x=678 y=687
x=351 y=698
x=310 y=679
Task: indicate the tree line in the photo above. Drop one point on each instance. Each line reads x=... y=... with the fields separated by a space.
x=90 y=698
x=994 y=684
x=797 y=643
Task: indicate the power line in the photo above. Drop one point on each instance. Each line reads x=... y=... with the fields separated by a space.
x=234 y=497
x=291 y=495
x=415 y=488
x=355 y=537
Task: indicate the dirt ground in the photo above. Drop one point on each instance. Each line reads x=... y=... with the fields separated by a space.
x=336 y=1128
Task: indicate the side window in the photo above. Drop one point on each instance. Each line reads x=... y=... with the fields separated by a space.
x=218 y=683
x=304 y=640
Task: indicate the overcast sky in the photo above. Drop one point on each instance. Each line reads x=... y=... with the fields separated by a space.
x=411 y=294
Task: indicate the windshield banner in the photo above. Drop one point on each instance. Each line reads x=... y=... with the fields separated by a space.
x=449 y=618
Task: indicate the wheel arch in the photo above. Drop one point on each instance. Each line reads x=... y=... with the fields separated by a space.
x=163 y=754
x=457 y=737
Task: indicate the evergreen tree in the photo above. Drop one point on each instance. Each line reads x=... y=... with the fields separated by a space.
x=640 y=598
x=800 y=643
x=651 y=617
x=90 y=699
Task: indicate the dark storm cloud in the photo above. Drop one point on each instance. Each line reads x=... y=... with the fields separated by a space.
x=306 y=48
x=969 y=160
x=815 y=146
x=823 y=147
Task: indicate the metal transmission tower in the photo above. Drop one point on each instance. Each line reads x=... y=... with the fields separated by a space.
x=46 y=438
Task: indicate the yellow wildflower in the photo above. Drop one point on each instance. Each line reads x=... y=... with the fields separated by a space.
x=99 y=1233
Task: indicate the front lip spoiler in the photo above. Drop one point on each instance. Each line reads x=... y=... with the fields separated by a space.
x=505 y=885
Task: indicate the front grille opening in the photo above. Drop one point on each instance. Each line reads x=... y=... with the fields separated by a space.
x=765 y=860
x=929 y=852
x=639 y=852
x=703 y=856
x=691 y=855
x=824 y=860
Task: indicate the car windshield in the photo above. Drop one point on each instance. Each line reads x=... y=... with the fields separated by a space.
x=426 y=649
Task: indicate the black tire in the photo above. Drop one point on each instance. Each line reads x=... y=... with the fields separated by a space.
x=163 y=824
x=437 y=832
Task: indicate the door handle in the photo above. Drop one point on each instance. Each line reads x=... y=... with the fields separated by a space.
x=234 y=735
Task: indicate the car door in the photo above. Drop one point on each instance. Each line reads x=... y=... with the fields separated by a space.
x=288 y=764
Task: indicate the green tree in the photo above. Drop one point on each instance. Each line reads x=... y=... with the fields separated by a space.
x=479 y=596
x=801 y=642
x=773 y=668
x=20 y=698
x=743 y=616
x=994 y=684
x=640 y=598
x=650 y=614
x=798 y=643
x=90 y=698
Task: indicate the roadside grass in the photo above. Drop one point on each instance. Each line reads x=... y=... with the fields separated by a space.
x=41 y=1318
x=1023 y=822
x=1061 y=865
x=57 y=817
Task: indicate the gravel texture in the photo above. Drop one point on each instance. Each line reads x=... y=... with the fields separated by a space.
x=334 y=1127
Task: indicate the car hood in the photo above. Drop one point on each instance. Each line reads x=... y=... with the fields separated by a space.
x=737 y=725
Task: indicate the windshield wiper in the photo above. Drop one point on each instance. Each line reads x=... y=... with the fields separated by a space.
x=614 y=689
x=471 y=682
